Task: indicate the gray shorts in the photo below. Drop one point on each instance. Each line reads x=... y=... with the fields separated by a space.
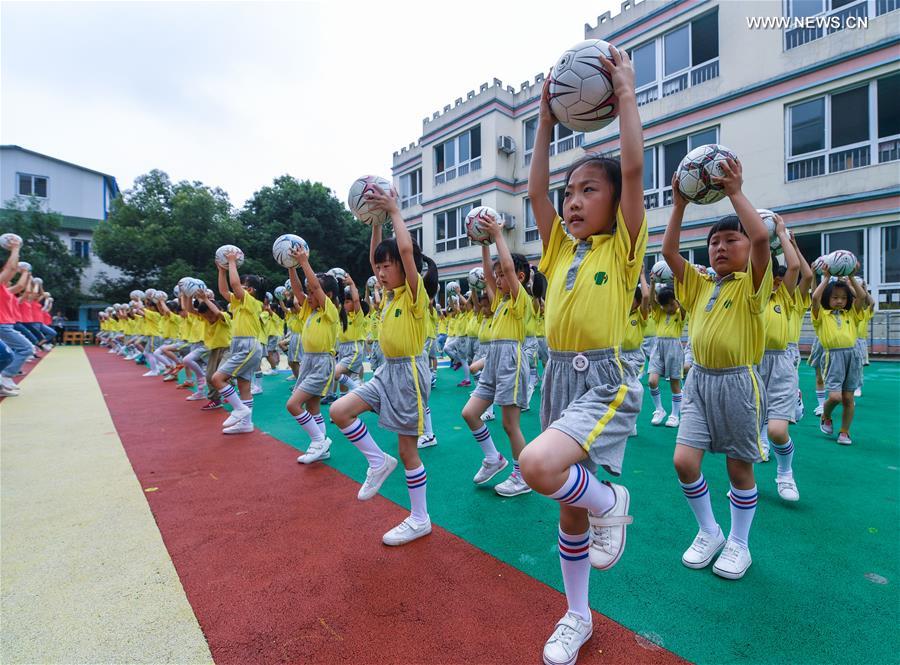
x=667 y=358
x=648 y=345
x=722 y=412
x=794 y=352
x=481 y=350
x=779 y=376
x=633 y=361
x=244 y=356
x=598 y=407
x=316 y=374
x=295 y=348
x=455 y=347
x=398 y=393
x=198 y=353
x=351 y=356
x=154 y=343
x=471 y=348
x=862 y=350
x=376 y=357
x=272 y=344
x=841 y=369
x=531 y=350
x=430 y=348
x=543 y=351
x=504 y=379
x=816 y=353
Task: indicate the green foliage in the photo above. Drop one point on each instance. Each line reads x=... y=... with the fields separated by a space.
x=48 y=255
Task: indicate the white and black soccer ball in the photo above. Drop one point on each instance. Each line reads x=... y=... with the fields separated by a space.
x=452 y=288
x=768 y=218
x=280 y=293
x=474 y=224
x=372 y=282
x=476 y=279
x=339 y=274
x=137 y=294
x=819 y=265
x=24 y=265
x=841 y=263
x=220 y=255
x=662 y=272
x=6 y=238
x=697 y=170
x=360 y=207
x=37 y=281
x=581 y=90
x=284 y=245
x=191 y=286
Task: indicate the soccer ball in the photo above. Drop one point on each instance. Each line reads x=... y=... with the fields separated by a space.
x=358 y=204
x=453 y=288
x=137 y=294
x=841 y=263
x=160 y=295
x=711 y=272
x=279 y=292
x=474 y=228
x=339 y=274
x=696 y=172
x=191 y=286
x=476 y=279
x=6 y=238
x=581 y=90
x=282 y=247
x=220 y=255
x=662 y=272
x=269 y=296
x=768 y=218
x=24 y=265
x=372 y=282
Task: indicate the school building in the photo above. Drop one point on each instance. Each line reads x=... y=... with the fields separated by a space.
x=81 y=196
x=803 y=91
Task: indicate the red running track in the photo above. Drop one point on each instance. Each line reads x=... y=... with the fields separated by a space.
x=281 y=563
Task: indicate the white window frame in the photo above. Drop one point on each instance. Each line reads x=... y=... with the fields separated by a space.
x=661 y=195
x=558 y=145
x=32 y=177
x=861 y=8
x=460 y=240
x=882 y=269
x=531 y=233
x=693 y=74
x=412 y=199
x=458 y=168
x=418 y=235
x=872 y=147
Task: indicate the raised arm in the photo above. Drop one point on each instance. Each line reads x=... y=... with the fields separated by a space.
x=760 y=252
x=354 y=292
x=860 y=295
x=12 y=262
x=388 y=203
x=672 y=238
x=315 y=293
x=297 y=286
x=224 y=291
x=816 y=298
x=506 y=261
x=373 y=243
x=645 y=295
x=490 y=284
x=23 y=283
x=631 y=139
x=234 y=279
x=539 y=176
x=790 y=255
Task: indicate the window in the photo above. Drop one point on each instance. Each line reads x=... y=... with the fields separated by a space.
x=810 y=246
x=32 y=185
x=853 y=241
x=834 y=133
x=661 y=162
x=416 y=234
x=81 y=248
x=563 y=139
x=832 y=16
x=890 y=254
x=450 y=228
x=679 y=59
x=458 y=156
x=411 y=188
x=531 y=230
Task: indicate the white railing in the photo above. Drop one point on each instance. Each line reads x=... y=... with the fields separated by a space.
x=885 y=6
x=704 y=72
x=647 y=95
x=458 y=170
x=415 y=199
x=651 y=200
x=888 y=149
x=794 y=37
x=807 y=167
x=850 y=158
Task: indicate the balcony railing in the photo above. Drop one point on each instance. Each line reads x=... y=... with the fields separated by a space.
x=806 y=168
x=409 y=201
x=459 y=170
x=795 y=37
x=849 y=158
x=696 y=75
x=889 y=150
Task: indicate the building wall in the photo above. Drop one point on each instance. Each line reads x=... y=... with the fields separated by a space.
x=757 y=80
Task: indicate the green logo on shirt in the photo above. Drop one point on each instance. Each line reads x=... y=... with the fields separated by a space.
x=397 y=312
x=601 y=278
x=726 y=304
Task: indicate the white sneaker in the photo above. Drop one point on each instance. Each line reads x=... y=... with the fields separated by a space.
x=819 y=410
x=317 y=451
x=150 y=373
x=6 y=392
x=255 y=390
x=658 y=416
x=242 y=427
x=672 y=421
x=703 y=549
x=733 y=562
x=857 y=392
x=512 y=486
x=844 y=439
x=570 y=634
x=488 y=415
x=406 y=532
x=236 y=416
x=608 y=530
x=426 y=441
x=197 y=396
x=787 y=488
x=376 y=477
x=489 y=469
x=9 y=384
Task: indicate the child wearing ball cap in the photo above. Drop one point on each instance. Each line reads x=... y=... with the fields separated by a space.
x=590 y=403
x=322 y=313
x=398 y=392
x=667 y=358
x=837 y=308
x=725 y=401
x=245 y=353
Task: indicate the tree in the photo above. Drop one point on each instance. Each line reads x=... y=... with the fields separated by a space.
x=48 y=255
x=158 y=233
x=311 y=211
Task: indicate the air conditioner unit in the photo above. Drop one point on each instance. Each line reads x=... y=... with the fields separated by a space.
x=506 y=144
x=508 y=221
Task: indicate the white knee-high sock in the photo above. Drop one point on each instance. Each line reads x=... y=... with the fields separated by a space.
x=230 y=395
x=784 y=455
x=359 y=436
x=583 y=490
x=483 y=437
x=697 y=495
x=743 y=508
x=345 y=380
x=576 y=570
x=676 y=404
x=320 y=423
x=656 y=395
x=308 y=423
x=416 y=482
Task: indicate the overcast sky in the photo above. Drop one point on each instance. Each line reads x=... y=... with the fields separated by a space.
x=236 y=94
